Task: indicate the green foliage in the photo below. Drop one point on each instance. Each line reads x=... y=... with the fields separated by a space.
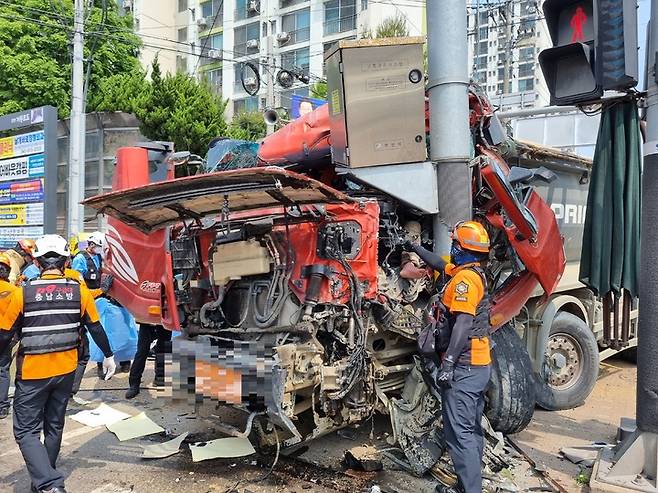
x=319 y=90
x=35 y=61
x=247 y=126
x=391 y=27
x=583 y=477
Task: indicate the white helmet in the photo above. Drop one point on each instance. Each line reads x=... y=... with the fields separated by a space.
x=97 y=238
x=51 y=244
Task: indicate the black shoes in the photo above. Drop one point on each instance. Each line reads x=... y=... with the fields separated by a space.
x=124 y=367
x=55 y=489
x=442 y=488
x=99 y=370
x=132 y=392
x=4 y=412
x=158 y=382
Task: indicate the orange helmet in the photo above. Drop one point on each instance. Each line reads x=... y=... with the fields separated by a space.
x=28 y=246
x=4 y=260
x=471 y=236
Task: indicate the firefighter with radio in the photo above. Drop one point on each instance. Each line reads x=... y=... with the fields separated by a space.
x=46 y=316
x=6 y=288
x=465 y=363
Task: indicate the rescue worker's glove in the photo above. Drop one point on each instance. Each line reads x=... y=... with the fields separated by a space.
x=109 y=367
x=106 y=282
x=446 y=374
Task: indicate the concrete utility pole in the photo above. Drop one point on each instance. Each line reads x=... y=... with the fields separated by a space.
x=450 y=137
x=635 y=465
x=75 y=221
x=507 y=70
x=271 y=61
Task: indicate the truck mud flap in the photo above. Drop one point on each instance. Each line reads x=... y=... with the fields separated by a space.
x=242 y=374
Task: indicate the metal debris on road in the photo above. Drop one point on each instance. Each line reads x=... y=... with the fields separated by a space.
x=103 y=415
x=137 y=426
x=221 y=448
x=164 y=449
x=366 y=458
x=582 y=456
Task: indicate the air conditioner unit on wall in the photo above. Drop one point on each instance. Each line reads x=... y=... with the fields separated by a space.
x=202 y=22
x=253 y=6
x=216 y=54
x=283 y=37
x=252 y=44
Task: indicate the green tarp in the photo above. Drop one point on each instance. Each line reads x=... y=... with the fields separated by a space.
x=611 y=240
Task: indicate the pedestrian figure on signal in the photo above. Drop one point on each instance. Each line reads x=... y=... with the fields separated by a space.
x=6 y=288
x=46 y=317
x=465 y=361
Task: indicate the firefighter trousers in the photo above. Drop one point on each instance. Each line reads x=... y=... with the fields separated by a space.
x=147 y=334
x=462 y=408
x=40 y=405
x=5 y=364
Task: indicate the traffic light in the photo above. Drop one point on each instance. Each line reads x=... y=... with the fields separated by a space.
x=594 y=49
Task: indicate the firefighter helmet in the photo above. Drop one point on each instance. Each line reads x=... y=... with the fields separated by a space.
x=471 y=236
x=97 y=238
x=51 y=244
x=4 y=260
x=28 y=246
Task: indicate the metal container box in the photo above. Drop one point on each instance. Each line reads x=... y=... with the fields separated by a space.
x=376 y=95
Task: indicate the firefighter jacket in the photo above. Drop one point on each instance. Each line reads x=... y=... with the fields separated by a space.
x=466 y=293
x=46 y=315
x=6 y=289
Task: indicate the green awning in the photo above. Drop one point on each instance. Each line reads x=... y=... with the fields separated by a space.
x=611 y=240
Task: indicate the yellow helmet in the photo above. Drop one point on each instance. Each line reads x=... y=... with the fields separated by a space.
x=4 y=259
x=471 y=236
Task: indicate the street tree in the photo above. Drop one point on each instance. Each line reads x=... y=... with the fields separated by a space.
x=35 y=57
x=247 y=126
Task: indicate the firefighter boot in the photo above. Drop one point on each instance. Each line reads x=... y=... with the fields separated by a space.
x=132 y=392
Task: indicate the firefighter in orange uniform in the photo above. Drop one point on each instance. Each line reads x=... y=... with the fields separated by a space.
x=465 y=367
x=46 y=316
x=6 y=288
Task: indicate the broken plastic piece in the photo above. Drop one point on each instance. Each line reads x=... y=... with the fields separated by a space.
x=221 y=448
x=165 y=449
x=103 y=415
x=135 y=427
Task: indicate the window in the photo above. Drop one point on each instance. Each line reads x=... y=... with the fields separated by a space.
x=245 y=9
x=242 y=35
x=526 y=54
x=214 y=42
x=499 y=89
x=296 y=61
x=526 y=69
x=290 y=3
x=527 y=8
x=527 y=26
x=481 y=63
x=181 y=64
x=245 y=105
x=339 y=16
x=483 y=32
x=501 y=73
x=364 y=4
x=182 y=5
x=484 y=18
x=526 y=85
x=182 y=34
x=215 y=79
x=210 y=9
x=297 y=25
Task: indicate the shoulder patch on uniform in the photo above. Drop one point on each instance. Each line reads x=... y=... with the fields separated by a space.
x=461 y=288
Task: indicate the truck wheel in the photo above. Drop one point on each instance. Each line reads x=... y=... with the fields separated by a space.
x=511 y=393
x=572 y=364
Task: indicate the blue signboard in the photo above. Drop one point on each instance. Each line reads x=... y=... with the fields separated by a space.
x=21 y=192
x=300 y=105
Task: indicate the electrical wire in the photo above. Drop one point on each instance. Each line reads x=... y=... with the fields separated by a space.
x=207 y=38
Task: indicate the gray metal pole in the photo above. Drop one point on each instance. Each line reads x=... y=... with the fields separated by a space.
x=76 y=160
x=450 y=144
x=634 y=466
x=647 y=351
x=270 y=77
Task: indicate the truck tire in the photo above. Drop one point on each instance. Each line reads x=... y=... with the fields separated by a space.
x=572 y=365
x=511 y=393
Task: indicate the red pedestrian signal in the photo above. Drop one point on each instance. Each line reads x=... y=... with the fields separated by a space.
x=577 y=23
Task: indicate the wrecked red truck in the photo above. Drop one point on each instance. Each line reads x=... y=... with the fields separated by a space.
x=289 y=291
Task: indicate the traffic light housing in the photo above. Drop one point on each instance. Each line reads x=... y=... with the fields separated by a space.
x=594 y=49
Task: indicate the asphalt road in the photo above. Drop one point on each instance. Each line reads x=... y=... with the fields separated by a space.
x=96 y=462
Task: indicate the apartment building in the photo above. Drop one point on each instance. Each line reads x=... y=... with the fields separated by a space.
x=505 y=38
x=224 y=40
